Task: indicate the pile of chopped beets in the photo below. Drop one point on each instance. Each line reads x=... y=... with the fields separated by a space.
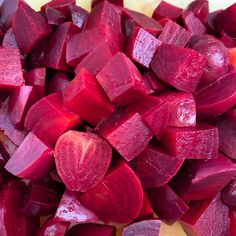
x=112 y=117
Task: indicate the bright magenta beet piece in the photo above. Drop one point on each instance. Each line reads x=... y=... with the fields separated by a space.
x=118 y=197
x=182 y=108
x=167 y=204
x=200 y=142
x=58 y=82
x=82 y=159
x=36 y=27
x=232 y=217
x=71 y=209
x=32 y=160
x=48 y=120
x=200 y=8
x=121 y=80
x=9 y=40
x=141 y=46
x=85 y=97
x=78 y=15
x=146 y=212
x=54 y=17
x=181 y=68
x=116 y=2
x=228 y=194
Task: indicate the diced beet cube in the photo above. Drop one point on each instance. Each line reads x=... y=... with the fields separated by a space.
x=200 y=8
x=141 y=46
x=118 y=197
x=34 y=25
x=232 y=217
x=58 y=82
x=85 y=97
x=182 y=108
x=54 y=17
x=228 y=194
x=146 y=211
x=155 y=167
x=182 y=68
x=116 y=2
x=202 y=179
x=82 y=159
x=10 y=72
x=210 y=215
x=121 y=80
x=9 y=40
x=78 y=15
x=167 y=10
x=32 y=160
x=200 y=142
x=71 y=209
x=167 y=204
x=174 y=34
x=20 y=102
x=48 y=120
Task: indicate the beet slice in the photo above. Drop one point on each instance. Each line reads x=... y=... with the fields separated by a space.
x=78 y=15
x=141 y=46
x=117 y=197
x=116 y=2
x=58 y=82
x=155 y=167
x=54 y=17
x=146 y=211
x=48 y=120
x=9 y=40
x=149 y=227
x=210 y=215
x=182 y=68
x=36 y=27
x=121 y=80
x=228 y=194
x=232 y=217
x=167 y=204
x=71 y=209
x=85 y=97
x=200 y=142
x=200 y=8
x=82 y=159
x=182 y=108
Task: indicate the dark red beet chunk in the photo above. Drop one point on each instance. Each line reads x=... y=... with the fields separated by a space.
x=116 y=2
x=167 y=204
x=200 y=8
x=232 y=217
x=200 y=142
x=78 y=15
x=118 y=197
x=54 y=17
x=141 y=46
x=228 y=194
x=9 y=40
x=228 y=41
x=34 y=25
x=146 y=211
x=182 y=68
x=58 y=82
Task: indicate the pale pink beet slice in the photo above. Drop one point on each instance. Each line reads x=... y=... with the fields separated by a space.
x=71 y=209
x=118 y=197
x=48 y=120
x=181 y=68
x=9 y=40
x=228 y=194
x=200 y=8
x=146 y=212
x=36 y=27
x=58 y=82
x=232 y=217
x=32 y=160
x=82 y=159
x=78 y=15
x=85 y=97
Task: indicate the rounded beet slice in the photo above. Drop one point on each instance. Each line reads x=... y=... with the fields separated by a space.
x=82 y=159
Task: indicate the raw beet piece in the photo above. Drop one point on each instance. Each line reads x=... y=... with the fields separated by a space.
x=228 y=194
x=182 y=108
x=82 y=159
x=9 y=40
x=174 y=34
x=118 y=197
x=149 y=227
x=155 y=167
x=208 y=216
x=167 y=204
x=58 y=82
x=141 y=46
x=10 y=72
x=166 y=10
x=232 y=217
x=200 y=142
x=202 y=179
x=146 y=211
x=32 y=160
x=182 y=68
x=54 y=17
x=121 y=80
x=84 y=96
x=71 y=209
x=218 y=97
x=116 y=2
x=200 y=8
x=20 y=101
x=48 y=120
x=92 y=230
x=78 y=15
x=34 y=25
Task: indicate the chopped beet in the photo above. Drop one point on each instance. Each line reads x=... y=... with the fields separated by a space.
x=116 y=2
x=54 y=17
x=141 y=46
x=9 y=40
x=211 y=22
x=32 y=160
x=228 y=194
x=82 y=159
x=167 y=204
x=85 y=97
x=232 y=217
x=228 y=41
x=121 y=80
x=182 y=68
x=182 y=108
x=118 y=197
x=200 y=142
x=48 y=120
x=71 y=209
x=34 y=25
x=200 y=8
x=58 y=82
x=146 y=211
x=78 y=15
